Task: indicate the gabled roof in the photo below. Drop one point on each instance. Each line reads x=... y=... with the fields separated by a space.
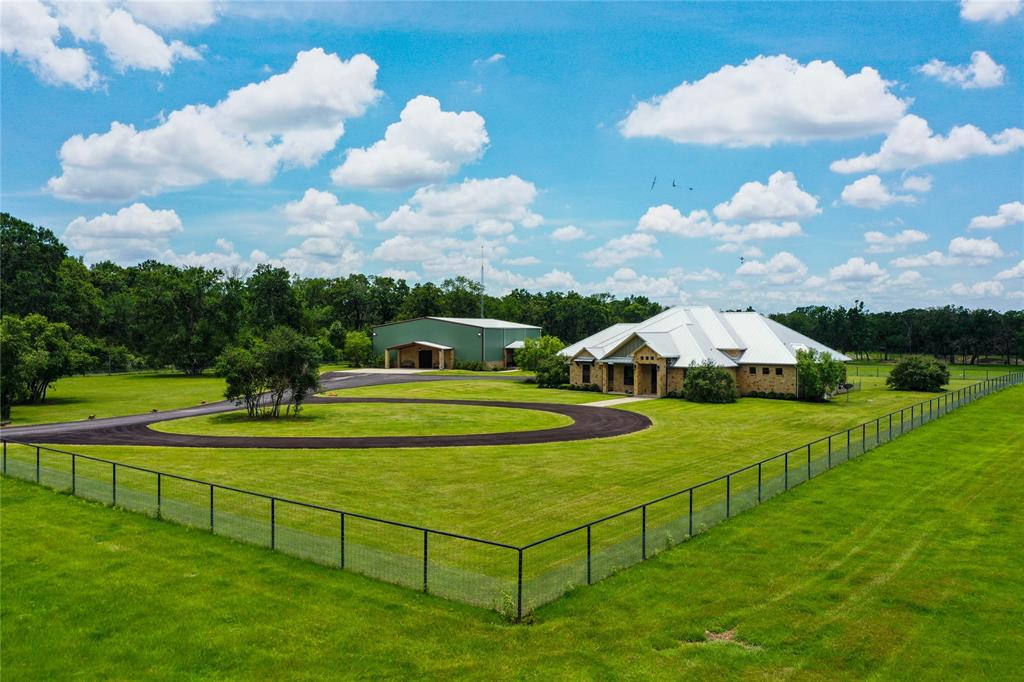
x=425 y=344
x=688 y=334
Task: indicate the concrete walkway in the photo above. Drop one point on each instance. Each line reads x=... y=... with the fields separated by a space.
x=621 y=401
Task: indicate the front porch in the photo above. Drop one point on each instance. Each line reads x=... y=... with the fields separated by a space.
x=420 y=355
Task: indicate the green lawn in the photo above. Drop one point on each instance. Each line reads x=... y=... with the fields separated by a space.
x=367 y=419
x=518 y=494
x=499 y=389
x=903 y=564
x=75 y=398
x=861 y=368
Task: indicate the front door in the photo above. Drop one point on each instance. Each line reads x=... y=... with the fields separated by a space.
x=426 y=359
x=654 y=379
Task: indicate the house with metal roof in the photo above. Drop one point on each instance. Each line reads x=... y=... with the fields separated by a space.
x=652 y=357
x=440 y=342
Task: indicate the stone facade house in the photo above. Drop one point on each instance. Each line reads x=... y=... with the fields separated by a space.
x=651 y=357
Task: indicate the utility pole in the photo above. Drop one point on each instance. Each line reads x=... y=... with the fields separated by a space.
x=481 y=281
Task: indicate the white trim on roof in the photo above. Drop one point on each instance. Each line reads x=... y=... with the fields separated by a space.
x=483 y=322
x=425 y=344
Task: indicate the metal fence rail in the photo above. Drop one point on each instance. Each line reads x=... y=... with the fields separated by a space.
x=512 y=579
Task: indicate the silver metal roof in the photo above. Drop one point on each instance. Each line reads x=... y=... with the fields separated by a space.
x=484 y=322
x=688 y=334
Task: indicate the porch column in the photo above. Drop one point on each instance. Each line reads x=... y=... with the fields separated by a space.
x=387 y=359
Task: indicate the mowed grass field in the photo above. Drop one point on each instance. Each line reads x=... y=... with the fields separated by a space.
x=518 y=494
x=370 y=419
x=862 y=368
x=112 y=395
x=903 y=564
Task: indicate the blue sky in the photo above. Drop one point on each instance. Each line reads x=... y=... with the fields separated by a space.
x=836 y=151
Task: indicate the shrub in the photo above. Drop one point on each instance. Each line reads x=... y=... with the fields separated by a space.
x=358 y=349
x=261 y=375
x=918 y=373
x=470 y=365
x=553 y=372
x=819 y=374
x=536 y=351
x=708 y=383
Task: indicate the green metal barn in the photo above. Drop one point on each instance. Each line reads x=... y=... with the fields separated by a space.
x=440 y=342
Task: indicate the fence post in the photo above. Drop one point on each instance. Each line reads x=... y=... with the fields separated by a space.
x=643 y=532
x=808 y=461
x=424 y=561
x=785 y=462
x=890 y=426
x=113 y=483
x=759 y=482
x=588 y=556
x=211 y=507
x=37 y=464
x=901 y=420
x=830 y=452
x=863 y=434
x=5 y=457
x=691 y=512
x=342 y=558
x=847 y=445
x=273 y=523
x=159 y=493
x=728 y=495
x=519 y=589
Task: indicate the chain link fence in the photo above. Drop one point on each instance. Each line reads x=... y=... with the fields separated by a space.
x=511 y=579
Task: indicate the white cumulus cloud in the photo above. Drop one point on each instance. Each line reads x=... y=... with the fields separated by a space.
x=912 y=144
x=767 y=100
x=917 y=183
x=568 y=233
x=320 y=214
x=993 y=11
x=781 y=198
x=1008 y=214
x=290 y=119
x=961 y=251
x=978 y=289
x=698 y=224
x=29 y=32
x=782 y=268
x=486 y=205
x=426 y=145
x=622 y=249
x=871 y=192
x=173 y=14
x=856 y=269
x=982 y=72
x=128 y=43
x=879 y=242
x=134 y=233
x=1016 y=272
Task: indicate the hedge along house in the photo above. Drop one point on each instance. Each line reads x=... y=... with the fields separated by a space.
x=651 y=357
x=440 y=342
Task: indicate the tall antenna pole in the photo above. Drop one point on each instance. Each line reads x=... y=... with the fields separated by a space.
x=481 y=281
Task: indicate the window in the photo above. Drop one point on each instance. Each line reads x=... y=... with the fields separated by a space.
x=586 y=374
x=778 y=371
x=766 y=370
x=753 y=370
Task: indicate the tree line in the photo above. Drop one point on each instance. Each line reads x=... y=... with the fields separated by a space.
x=953 y=333
x=160 y=315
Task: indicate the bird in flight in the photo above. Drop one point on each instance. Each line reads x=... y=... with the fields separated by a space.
x=653 y=182
x=674 y=182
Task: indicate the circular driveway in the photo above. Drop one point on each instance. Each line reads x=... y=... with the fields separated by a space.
x=588 y=422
